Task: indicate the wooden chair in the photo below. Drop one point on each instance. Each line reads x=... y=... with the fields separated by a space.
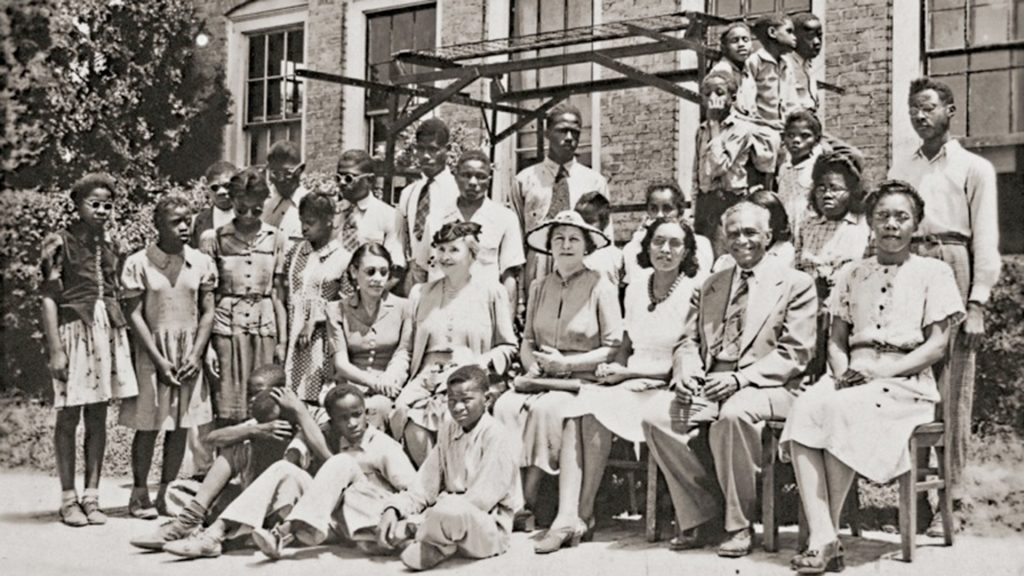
x=912 y=482
x=645 y=463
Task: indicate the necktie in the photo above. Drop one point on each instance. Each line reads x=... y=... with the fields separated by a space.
x=732 y=332
x=560 y=192
x=350 y=230
x=422 y=210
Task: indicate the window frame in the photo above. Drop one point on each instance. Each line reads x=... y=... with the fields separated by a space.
x=251 y=128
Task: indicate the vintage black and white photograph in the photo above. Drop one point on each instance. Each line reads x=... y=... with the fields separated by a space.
x=512 y=287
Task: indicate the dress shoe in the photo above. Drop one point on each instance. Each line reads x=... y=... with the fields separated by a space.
x=524 y=521
x=71 y=514
x=557 y=538
x=140 y=506
x=272 y=542
x=181 y=526
x=95 y=516
x=737 y=544
x=829 y=558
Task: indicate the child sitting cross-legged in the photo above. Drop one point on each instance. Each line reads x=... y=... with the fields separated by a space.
x=466 y=488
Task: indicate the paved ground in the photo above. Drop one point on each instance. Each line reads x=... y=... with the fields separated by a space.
x=33 y=542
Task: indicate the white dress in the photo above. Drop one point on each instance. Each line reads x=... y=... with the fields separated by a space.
x=654 y=335
x=888 y=308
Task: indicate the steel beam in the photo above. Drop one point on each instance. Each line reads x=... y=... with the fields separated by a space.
x=602 y=85
x=645 y=78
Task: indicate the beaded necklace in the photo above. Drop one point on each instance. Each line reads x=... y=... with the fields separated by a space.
x=650 y=291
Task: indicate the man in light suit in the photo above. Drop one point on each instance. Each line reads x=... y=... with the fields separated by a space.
x=748 y=339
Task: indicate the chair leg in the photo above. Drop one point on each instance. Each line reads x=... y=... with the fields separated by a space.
x=853 y=507
x=769 y=446
x=634 y=507
x=908 y=505
x=651 y=519
x=945 y=497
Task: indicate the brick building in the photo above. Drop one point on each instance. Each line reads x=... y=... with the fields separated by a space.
x=873 y=48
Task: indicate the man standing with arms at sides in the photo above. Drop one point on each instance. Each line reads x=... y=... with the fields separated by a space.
x=428 y=198
x=553 y=185
x=807 y=27
x=960 y=227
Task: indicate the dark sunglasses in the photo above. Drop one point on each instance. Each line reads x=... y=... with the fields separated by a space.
x=96 y=204
x=382 y=271
x=255 y=211
x=218 y=187
x=346 y=179
x=287 y=174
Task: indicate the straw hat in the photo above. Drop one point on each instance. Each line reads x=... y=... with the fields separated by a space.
x=537 y=239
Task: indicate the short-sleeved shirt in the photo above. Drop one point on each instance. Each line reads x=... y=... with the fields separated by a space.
x=80 y=267
x=575 y=314
x=893 y=304
x=501 y=242
x=283 y=212
x=373 y=346
x=246 y=271
x=170 y=302
x=375 y=222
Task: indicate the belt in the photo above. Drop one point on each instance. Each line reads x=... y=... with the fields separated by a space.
x=251 y=296
x=881 y=347
x=943 y=239
x=723 y=366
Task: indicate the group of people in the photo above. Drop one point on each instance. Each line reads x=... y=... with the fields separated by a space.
x=404 y=377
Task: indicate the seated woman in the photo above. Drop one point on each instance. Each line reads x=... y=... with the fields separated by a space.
x=459 y=319
x=781 y=247
x=656 y=303
x=370 y=333
x=892 y=319
x=573 y=324
x=834 y=234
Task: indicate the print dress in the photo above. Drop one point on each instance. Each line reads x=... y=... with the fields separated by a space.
x=889 y=309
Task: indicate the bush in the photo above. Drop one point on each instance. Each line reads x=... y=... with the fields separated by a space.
x=999 y=385
x=28 y=216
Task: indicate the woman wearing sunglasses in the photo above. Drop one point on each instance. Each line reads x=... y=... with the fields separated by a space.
x=250 y=321
x=89 y=357
x=369 y=333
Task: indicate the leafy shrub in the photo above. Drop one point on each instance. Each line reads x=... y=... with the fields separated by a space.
x=999 y=385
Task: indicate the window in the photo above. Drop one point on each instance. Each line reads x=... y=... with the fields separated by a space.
x=532 y=17
x=732 y=8
x=386 y=33
x=273 y=94
x=977 y=48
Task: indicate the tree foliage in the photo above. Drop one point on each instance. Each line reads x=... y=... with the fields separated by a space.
x=104 y=84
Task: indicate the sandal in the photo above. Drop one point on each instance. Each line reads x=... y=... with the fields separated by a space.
x=829 y=558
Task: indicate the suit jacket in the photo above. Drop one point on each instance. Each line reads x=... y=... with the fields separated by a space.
x=778 y=336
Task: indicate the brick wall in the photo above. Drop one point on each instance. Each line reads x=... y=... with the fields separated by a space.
x=638 y=127
x=325 y=52
x=858 y=45
x=465 y=21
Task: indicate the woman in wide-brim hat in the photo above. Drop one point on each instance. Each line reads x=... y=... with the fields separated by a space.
x=573 y=324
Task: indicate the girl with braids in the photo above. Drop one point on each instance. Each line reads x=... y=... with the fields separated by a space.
x=168 y=290
x=313 y=276
x=89 y=358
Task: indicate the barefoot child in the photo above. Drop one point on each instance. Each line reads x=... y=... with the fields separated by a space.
x=168 y=287
x=89 y=356
x=465 y=489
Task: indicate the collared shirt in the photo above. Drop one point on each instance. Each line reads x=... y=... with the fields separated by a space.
x=721 y=162
x=381 y=459
x=382 y=346
x=480 y=465
x=79 y=268
x=501 y=242
x=375 y=222
x=443 y=194
x=727 y=67
x=824 y=245
x=960 y=195
x=803 y=86
x=284 y=212
x=794 y=188
x=246 y=273
x=763 y=91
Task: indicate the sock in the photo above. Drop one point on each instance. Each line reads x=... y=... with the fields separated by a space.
x=91 y=494
x=68 y=497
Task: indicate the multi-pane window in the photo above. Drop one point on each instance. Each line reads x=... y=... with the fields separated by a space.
x=412 y=28
x=532 y=17
x=977 y=47
x=733 y=8
x=273 y=94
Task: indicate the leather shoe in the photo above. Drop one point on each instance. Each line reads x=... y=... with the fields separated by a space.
x=737 y=544
x=422 y=556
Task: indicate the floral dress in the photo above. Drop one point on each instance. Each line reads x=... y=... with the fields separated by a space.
x=889 y=309
x=170 y=306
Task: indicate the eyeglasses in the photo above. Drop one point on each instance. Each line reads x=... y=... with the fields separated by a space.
x=346 y=179
x=218 y=187
x=286 y=174
x=382 y=271
x=96 y=205
x=673 y=243
x=254 y=210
